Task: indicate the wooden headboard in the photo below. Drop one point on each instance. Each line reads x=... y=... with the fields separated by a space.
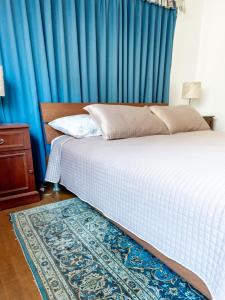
x=52 y=111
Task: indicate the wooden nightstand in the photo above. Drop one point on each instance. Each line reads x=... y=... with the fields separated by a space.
x=17 y=182
x=210 y=121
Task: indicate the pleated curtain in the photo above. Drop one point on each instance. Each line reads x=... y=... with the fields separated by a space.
x=81 y=51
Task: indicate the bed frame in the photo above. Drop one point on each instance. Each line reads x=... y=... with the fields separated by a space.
x=51 y=111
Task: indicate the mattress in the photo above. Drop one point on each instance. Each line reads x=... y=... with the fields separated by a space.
x=167 y=190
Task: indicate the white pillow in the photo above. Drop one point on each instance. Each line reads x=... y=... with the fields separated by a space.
x=78 y=126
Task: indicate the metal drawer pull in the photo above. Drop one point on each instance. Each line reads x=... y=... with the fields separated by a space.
x=2 y=141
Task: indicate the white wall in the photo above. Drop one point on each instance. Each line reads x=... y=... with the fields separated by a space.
x=211 y=61
x=186 y=47
x=199 y=54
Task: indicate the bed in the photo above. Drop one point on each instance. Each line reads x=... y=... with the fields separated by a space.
x=167 y=192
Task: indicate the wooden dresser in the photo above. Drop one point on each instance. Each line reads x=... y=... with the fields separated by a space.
x=17 y=182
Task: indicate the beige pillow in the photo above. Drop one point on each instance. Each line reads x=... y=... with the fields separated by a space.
x=123 y=121
x=180 y=118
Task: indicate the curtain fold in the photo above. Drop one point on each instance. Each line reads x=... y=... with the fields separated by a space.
x=81 y=51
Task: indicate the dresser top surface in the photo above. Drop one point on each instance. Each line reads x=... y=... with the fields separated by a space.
x=13 y=125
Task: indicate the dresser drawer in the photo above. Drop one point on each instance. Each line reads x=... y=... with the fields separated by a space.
x=14 y=139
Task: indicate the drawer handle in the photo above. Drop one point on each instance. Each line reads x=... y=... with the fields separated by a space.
x=2 y=141
x=30 y=171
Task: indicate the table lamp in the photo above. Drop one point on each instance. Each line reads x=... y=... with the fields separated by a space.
x=191 y=91
x=2 y=89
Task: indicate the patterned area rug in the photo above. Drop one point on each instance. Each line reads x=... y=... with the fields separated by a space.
x=76 y=253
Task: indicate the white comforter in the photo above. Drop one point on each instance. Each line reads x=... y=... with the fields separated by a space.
x=168 y=190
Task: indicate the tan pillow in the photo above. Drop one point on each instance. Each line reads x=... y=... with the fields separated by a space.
x=180 y=118
x=123 y=121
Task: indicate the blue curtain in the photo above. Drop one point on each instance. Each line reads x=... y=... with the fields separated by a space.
x=81 y=51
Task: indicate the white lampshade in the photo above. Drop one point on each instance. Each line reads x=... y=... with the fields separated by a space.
x=2 y=89
x=191 y=90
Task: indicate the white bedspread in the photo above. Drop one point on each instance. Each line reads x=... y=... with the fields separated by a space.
x=168 y=190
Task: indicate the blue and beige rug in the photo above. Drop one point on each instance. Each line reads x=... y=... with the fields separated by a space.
x=76 y=253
